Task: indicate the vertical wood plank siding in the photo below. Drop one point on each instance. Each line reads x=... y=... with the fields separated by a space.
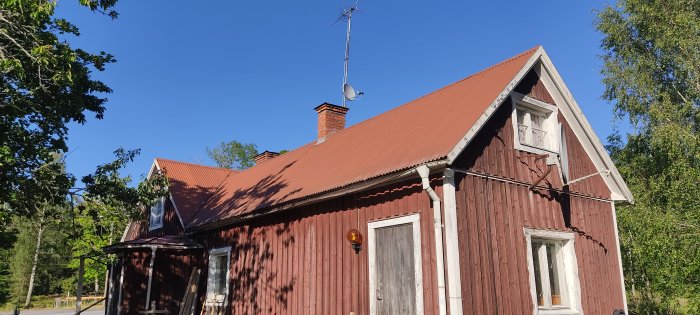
x=301 y=262
x=493 y=213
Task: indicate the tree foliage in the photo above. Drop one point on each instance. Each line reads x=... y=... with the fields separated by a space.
x=53 y=255
x=651 y=70
x=45 y=84
x=234 y=155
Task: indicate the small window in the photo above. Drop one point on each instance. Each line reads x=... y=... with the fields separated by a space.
x=157 y=210
x=535 y=123
x=217 y=280
x=553 y=272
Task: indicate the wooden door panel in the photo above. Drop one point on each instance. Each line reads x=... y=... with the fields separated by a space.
x=395 y=270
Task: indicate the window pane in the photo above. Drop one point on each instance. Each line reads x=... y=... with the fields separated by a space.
x=538 y=274
x=538 y=138
x=553 y=274
x=521 y=116
x=538 y=133
x=522 y=132
x=221 y=274
x=537 y=121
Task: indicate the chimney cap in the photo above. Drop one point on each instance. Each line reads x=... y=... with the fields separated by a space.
x=333 y=107
x=265 y=156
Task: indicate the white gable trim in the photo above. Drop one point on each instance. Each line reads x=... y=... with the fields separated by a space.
x=155 y=167
x=571 y=112
x=583 y=130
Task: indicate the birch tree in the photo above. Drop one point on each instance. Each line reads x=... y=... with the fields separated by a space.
x=651 y=70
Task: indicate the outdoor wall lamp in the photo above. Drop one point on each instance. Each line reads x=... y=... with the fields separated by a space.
x=355 y=238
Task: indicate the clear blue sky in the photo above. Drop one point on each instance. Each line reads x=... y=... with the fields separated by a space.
x=191 y=74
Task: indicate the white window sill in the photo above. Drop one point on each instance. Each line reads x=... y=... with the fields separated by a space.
x=532 y=149
x=563 y=311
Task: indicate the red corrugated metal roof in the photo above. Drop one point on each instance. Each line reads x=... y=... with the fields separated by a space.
x=423 y=130
x=191 y=185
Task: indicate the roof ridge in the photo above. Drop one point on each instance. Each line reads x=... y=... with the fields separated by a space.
x=444 y=87
x=198 y=165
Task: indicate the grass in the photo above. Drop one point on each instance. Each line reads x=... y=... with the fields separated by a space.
x=44 y=301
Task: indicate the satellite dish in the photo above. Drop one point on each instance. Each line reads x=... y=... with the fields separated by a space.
x=350 y=93
x=563 y=156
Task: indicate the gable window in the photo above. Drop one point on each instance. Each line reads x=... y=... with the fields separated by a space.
x=535 y=123
x=156 y=218
x=217 y=277
x=553 y=272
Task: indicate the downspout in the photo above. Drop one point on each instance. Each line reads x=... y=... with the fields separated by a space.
x=150 y=276
x=424 y=173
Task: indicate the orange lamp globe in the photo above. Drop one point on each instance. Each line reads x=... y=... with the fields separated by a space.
x=354 y=237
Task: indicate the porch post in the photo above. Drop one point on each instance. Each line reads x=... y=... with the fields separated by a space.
x=150 y=276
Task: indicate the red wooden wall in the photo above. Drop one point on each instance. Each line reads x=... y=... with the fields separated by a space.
x=493 y=213
x=301 y=262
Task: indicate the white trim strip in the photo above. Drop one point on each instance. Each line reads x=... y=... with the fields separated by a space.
x=150 y=276
x=619 y=257
x=454 y=280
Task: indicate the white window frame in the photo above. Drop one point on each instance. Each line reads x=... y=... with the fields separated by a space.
x=549 y=111
x=152 y=224
x=418 y=269
x=568 y=270
x=214 y=300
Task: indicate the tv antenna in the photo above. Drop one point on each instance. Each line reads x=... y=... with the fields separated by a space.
x=349 y=93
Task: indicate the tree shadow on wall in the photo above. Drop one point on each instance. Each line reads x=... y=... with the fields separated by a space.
x=564 y=200
x=258 y=282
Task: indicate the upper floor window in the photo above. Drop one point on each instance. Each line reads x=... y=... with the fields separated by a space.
x=553 y=272
x=156 y=218
x=535 y=125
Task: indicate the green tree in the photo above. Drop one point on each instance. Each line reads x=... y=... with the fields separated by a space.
x=8 y=237
x=40 y=255
x=651 y=70
x=45 y=84
x=97 y=225
x=234 y=155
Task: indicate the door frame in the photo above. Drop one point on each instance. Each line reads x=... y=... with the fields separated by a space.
x=418 y=268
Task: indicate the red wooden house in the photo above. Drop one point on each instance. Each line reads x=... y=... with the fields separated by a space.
x=492 y=195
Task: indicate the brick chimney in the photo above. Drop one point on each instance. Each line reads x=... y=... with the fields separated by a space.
x=331 y=119
x=265 y=156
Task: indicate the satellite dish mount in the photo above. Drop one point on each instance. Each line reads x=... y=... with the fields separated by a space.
x=349 y=93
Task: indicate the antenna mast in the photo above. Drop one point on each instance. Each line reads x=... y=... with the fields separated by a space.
x=347 y=14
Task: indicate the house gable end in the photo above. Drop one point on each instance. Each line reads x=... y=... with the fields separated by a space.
x=550 y=88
